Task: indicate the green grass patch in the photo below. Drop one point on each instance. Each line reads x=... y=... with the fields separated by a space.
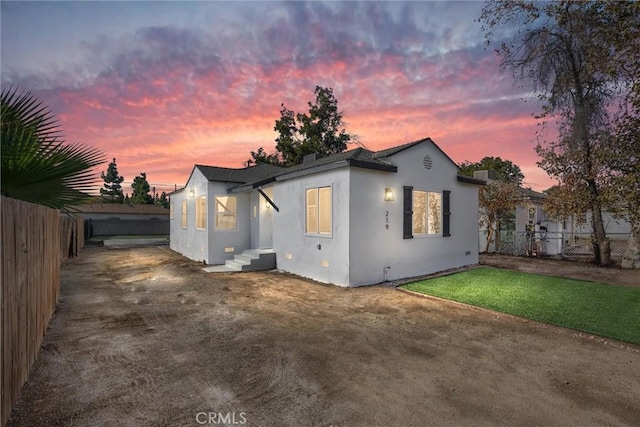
x=606 y=310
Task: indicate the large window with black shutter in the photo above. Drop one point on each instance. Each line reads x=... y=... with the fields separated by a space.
x=426 y=213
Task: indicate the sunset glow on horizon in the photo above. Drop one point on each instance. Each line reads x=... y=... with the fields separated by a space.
x=162 y=86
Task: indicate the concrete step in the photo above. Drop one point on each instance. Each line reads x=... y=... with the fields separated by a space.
x=222 y=268
x=249 y=260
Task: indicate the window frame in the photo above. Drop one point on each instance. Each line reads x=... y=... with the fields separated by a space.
x=217 y=213
x=201 y=203
x=427 y=210
x=319 y=205
x=184 y=214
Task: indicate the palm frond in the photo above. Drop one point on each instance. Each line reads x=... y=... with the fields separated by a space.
x=37 y=166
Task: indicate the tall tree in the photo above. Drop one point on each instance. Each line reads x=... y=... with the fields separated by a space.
x=497 y=201
x=320 y=131
x=624 y=179
x=162 y=200
x=623 y=153
x=140 y=194
x=36 y=164
x=504 y=170
x=111 y=190
x=556 y=48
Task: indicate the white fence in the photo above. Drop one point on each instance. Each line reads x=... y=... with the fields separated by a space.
x=563 y=244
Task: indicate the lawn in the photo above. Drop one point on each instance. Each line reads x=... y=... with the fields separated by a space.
x=606 y=310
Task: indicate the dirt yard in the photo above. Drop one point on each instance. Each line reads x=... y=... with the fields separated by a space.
x=144 y=337
x=573 y=269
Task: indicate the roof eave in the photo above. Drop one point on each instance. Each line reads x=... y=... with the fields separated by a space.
x=371 y=165
x=313 y=170
x=251 y=186
x=469 y=180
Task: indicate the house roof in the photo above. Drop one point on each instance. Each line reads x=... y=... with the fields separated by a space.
x=255 y=176
x=531 y=194
x=120 y=208
x=240 y=176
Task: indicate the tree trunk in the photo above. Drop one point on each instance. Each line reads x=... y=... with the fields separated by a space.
x=489 y=235
x=601 y=246
x=498 y=238
x=631 y=256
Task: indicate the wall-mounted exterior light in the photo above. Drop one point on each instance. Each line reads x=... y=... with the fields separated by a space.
x=192 y=193
x=388 y=195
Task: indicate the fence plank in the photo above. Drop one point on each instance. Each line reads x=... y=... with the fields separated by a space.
x=31 y=242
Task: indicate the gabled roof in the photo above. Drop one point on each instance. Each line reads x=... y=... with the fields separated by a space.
x=531 y=194
x=395 y=150
x=255 y=176
x=240 y=176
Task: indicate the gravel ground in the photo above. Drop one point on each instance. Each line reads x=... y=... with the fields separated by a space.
x=143 y=336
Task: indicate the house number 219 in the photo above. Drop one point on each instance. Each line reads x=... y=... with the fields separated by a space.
x=386 y=220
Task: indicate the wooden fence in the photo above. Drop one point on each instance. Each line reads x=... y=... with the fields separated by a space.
x=34 y=241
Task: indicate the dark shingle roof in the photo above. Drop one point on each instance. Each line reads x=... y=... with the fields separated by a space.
x=531 y=194
x=263 y=173
x=240 y=176
x=394 y=150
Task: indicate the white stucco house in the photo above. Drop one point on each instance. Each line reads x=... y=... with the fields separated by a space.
x=351 y=219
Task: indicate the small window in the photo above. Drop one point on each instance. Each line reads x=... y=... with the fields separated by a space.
x=201 y=213
x=184 y=214
x=318 y=211
x=226 y=213
x=171 y=210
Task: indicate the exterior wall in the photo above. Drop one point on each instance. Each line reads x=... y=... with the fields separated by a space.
x=255 y=219
x=325 y=259
x=221 y=242
x=127 y=227
x=262 y=214
x=190 y=242
x=616 y=228
x=132 y=216
x=378 y=253
x=209 y=245
x=266 y=214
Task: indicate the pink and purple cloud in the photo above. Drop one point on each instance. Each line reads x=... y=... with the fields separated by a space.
x=164 y=87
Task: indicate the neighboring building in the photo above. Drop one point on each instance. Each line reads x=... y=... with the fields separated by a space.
x=117 y=219
x=533 y=232
x=350 y=219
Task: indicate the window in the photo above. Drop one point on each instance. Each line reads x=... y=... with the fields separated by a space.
x=427 y=208
x=171 y=210
x=226 y=213
x=318 y=211
x=184 y=214
x=201 y=213
x=425 y=213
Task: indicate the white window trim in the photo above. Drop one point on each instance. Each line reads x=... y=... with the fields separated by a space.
x=215 y=213
x=206 y=213
x=184 y=209
x=426 y=235
x=320 y=235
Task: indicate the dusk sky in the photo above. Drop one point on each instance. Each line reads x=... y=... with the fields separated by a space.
x=162 y=86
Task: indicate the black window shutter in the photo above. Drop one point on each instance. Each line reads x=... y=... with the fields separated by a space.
x=446 y=213
x=407 y=226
